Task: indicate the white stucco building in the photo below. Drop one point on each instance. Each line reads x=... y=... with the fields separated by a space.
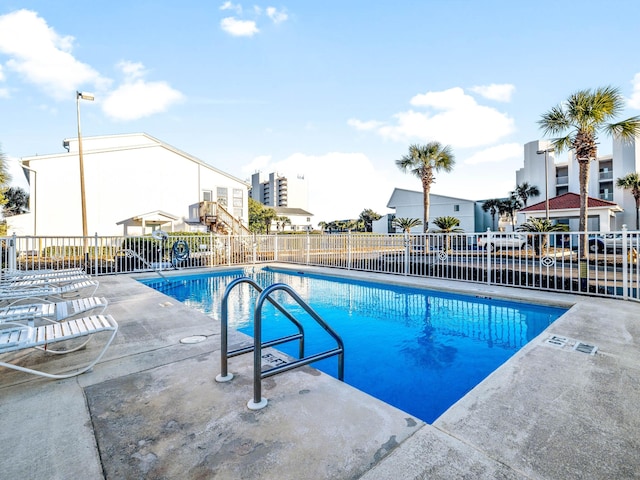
x=562 y=177
x=134 y=183
x=409 y=204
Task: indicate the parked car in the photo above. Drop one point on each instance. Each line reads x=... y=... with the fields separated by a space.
x=610 y=242
x=503 y=240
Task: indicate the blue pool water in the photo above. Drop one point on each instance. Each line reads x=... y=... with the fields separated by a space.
x=419 y=350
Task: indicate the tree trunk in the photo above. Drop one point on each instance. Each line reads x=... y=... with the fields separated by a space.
x=583 y=165
x=426 y=188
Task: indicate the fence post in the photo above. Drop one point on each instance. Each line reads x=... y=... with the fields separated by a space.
x=407 y=252
x=228 y=249
x=308 y=247
x=275 y=248
x=626 y=253
x=254 y=246
x=13 y=255
x=488 y=249
x=95 y=254
x=348 y=249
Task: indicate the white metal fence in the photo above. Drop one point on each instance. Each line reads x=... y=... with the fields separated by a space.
x=543 y=261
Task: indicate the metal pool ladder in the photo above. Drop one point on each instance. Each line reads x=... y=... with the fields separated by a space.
x=258 y=402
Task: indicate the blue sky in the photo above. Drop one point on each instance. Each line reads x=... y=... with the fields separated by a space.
x=334 y=90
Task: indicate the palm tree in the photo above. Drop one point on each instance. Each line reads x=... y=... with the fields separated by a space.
x=423 y=161
x=447 y=225
x=368 y=216
x=509 y=207
x=406 y=224
x=631 y=182
x=493 y=207
x=541 y=225
x=524 y=191
x=580 y=119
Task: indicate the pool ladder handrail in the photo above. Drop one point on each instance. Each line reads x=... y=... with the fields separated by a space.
x=224 y=375
x=258 y=402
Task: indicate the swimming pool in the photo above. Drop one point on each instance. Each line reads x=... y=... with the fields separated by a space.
x=419 y=350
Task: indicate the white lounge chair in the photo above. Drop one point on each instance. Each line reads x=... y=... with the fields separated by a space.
x=34 y=280
x=34 y=274
x=18 y=337
x=11 y=291
x=51 y=311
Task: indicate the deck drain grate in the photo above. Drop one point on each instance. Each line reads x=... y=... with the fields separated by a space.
x=571 y=344
x=585 y=348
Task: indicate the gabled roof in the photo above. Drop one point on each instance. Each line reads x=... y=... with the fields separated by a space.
x=569 y=201
x=292 y=211
x=397 y=192
x=157 y=217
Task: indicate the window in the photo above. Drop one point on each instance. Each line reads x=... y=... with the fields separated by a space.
x=237 y=198
x=456 y=208
x=207 y=196
x=223 y=196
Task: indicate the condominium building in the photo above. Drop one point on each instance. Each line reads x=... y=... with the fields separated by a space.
x=555 y=175
x=135 y=183
x=276 y=190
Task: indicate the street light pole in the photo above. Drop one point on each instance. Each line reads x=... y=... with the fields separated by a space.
x=546 y=181
x=90 y=97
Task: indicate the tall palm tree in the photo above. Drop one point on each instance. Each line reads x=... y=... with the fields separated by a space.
x=631 y=182
x=492 y=206
x=509 y=207
x=406 y=224
x=524 y=191
x=424 y=161
x=579 y=120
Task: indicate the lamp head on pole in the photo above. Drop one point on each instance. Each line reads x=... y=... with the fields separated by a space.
x=85 y=96
x=548 y=150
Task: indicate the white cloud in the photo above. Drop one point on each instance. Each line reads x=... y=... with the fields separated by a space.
x=42 y=56
x=239 y=28
x=499 y=153
x=452 y=118
x=132 y=70
x=137 y=98
x=498 y=92
x=634 y=100
x=276 y=16
x=331 y=196
x=363 y=126
x=230 y=6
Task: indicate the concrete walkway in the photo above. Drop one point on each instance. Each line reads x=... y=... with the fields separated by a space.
x=152 y=409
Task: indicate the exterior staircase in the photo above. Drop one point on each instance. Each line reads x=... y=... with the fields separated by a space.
x=219 y=220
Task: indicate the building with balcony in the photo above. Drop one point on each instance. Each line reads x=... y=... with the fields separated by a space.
x=561 y=176
x=276 y=190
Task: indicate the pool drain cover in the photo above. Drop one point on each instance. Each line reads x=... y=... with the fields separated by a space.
x=193 y=339
x=574 y=345
x=585 y=348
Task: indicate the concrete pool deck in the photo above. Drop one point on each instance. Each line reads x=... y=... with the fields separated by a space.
x=152 y=409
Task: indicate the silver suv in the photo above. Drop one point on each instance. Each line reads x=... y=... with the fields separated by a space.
x=503 y=240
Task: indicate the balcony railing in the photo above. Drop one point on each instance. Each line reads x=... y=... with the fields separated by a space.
x=606 y=175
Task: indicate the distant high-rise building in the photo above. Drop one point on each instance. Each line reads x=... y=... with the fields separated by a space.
x=276 y=190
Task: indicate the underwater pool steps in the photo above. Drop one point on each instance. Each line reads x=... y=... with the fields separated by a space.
x=258 y=402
